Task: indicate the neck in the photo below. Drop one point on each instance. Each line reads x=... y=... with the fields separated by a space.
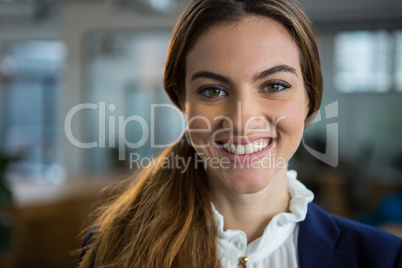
x=251 y=213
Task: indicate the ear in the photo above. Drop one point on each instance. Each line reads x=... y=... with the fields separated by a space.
x=182 y=103
x=176 y=97
x=307 y=107
x=307 y=110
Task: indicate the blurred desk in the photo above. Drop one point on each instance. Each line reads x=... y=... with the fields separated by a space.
x=28 y=194
x=47 y=220
x=329 y=186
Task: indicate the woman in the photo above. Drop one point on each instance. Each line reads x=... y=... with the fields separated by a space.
x=247 y=76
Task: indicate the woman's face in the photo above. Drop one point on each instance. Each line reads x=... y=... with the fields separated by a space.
x=245 y=102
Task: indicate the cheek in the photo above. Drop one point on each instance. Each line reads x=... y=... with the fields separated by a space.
x=199 y=120
x=290 y=130
x=291 y=122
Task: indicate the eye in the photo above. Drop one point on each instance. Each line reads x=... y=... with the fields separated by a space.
x=212 y=91
x=275 y=86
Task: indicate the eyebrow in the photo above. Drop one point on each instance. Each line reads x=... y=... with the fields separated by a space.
x=211 y=75
x=276 y=69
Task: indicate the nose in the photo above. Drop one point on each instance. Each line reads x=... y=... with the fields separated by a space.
x=246 y=115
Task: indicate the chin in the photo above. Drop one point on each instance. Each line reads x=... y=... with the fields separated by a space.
x=247 y=181
x=247 y=188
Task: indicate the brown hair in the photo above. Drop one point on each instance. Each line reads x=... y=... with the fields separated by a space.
x=164 y=218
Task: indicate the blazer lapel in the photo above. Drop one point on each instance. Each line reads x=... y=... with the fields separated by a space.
x=318 y=235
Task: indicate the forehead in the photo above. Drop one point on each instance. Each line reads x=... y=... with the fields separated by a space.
x=251 y=44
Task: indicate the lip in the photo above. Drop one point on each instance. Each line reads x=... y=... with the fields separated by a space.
x=244 y=159
x=244 y=140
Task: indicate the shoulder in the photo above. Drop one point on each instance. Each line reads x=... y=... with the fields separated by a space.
x=370 y=246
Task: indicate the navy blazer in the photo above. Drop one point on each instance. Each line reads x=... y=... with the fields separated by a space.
x=330 y=241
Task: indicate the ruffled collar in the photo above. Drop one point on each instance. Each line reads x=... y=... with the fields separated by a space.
x=232 y=244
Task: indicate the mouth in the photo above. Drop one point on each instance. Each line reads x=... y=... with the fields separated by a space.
x=246 y=148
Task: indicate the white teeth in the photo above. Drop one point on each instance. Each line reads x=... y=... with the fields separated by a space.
x=232 y=148
x=249 y=149
x=255 y=149
x=240 y=149
x=245 y=149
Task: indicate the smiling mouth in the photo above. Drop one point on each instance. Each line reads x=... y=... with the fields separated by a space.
x=248 y=148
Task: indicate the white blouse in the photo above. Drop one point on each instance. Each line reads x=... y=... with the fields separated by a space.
x=277 y=247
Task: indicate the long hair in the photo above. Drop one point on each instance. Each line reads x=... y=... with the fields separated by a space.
x=164 y=218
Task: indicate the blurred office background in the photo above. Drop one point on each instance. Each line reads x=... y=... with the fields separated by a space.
x=109 y=54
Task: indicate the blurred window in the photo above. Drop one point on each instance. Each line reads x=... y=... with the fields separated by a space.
x=368 y=61
x=398 y=60
x=124 y=72
x=30 y=102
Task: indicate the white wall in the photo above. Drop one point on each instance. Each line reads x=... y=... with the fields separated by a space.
x=352 y=10
x=78 y=19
